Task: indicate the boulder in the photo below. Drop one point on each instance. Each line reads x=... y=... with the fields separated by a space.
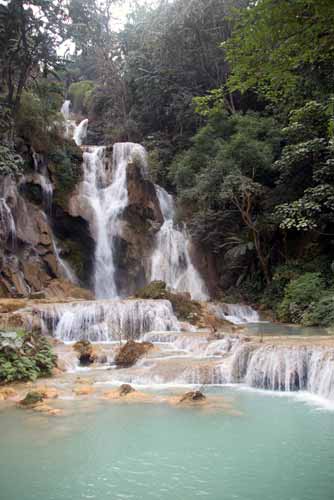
x=125 y=389
x=130 y=353
x=32 y=399
x=192 y=397
x=86 y=352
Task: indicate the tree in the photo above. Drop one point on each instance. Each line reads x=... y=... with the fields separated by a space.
x=284 y=49
x=245 y=195
x=306 y=166
x=30 y=32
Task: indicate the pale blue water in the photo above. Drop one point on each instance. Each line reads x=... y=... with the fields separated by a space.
x=278 y=449
x=268 y=328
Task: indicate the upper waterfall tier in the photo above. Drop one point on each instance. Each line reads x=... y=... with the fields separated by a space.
x=105 y=321
x=131 y=221
x=105 y=192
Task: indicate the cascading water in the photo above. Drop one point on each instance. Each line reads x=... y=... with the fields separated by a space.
x=106 y=321
x=80 y=132
x=63 y=267
x=171 y=260
x=237 y=314
x=7 y=223
x=106 y=192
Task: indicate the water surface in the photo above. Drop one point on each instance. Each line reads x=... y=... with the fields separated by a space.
x=277 y=449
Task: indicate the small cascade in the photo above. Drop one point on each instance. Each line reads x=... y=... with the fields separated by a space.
x=7 y=223
x=80 y=132
x=73 y=131
x=237 y=314
x=282 y=368
x=106 y=321
x=42 y=178
x=65 y=109
x=63 y=266
x=106 y=192
x=171 y=260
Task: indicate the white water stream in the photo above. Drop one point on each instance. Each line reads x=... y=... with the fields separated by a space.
x=238 y=314
x=171 y=261
x=104 y=191
x=7 y=223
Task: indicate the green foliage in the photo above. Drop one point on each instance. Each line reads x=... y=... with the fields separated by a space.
x=80 y=94
x=298 y=295
x=28 y=43
x=321 y=313
x=283 y=49
x=10 y=162
x=28 y=359
x=65 y=164
x=306 y=165
x=38 y=120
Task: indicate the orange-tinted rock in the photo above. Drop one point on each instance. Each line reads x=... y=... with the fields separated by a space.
x=84 y=390
x=131 y=352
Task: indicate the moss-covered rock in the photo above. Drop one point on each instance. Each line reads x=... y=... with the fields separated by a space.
x=32 y=398
x=184 y=308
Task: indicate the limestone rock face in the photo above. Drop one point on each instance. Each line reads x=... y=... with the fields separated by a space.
x=29 y=228
x=143 y=201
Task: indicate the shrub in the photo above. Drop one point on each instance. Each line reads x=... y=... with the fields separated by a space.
x=10 y=162
x=25 y=357
x=37 y=120
x=65 y=163
x=320 y=313
x=299 y=294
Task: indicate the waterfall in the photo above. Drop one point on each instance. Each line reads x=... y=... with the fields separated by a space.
x=237 y=314
x=285 y=368
x=65 y=109
x=73 y=131
x=7 y=223
x=63 y=266
x=104 y=196
x=106 y=192
x=42 y=178
x=171 y=260
x=105 y=321
x=80 y=132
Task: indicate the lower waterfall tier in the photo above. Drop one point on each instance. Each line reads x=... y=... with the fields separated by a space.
x=188 y=357
x=106 y=321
